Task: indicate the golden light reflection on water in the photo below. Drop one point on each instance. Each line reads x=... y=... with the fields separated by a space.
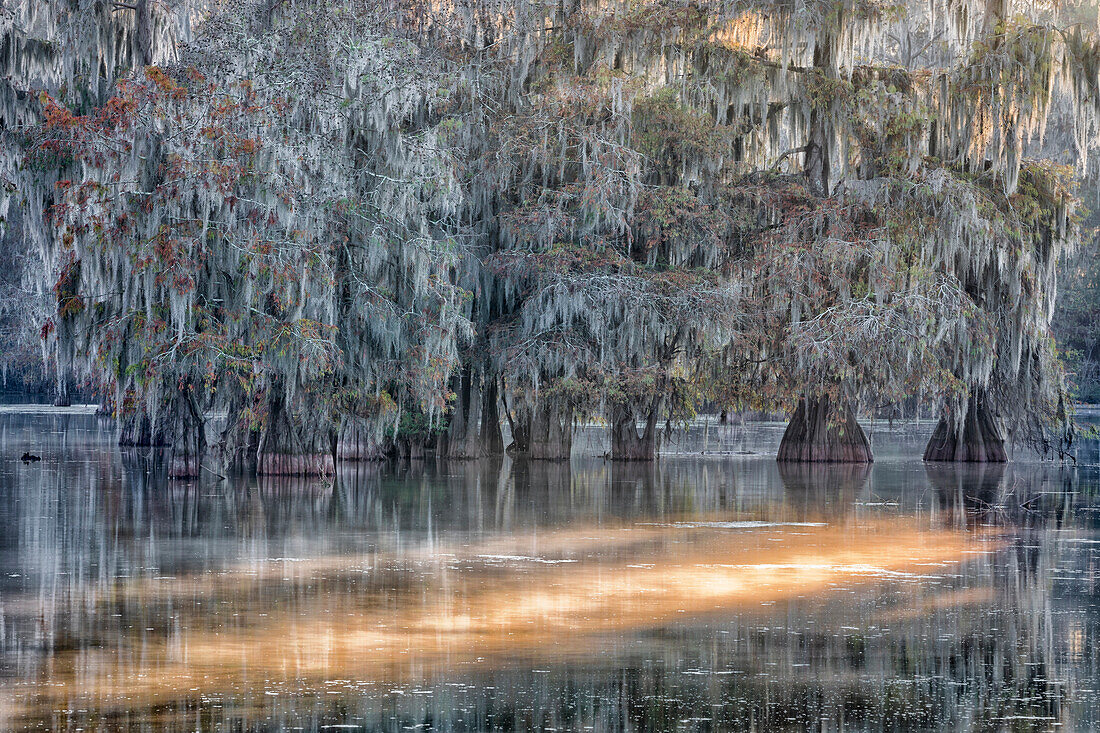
x=291 y=625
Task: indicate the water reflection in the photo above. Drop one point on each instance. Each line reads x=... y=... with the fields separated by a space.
x=727 y=593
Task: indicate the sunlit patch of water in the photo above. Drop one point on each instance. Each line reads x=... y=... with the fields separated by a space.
x=702 y=594
x=281 y=625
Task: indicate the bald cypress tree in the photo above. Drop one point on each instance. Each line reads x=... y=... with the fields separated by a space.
x=417 y=221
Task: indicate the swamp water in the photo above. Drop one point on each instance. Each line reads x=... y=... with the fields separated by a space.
x=707 y=592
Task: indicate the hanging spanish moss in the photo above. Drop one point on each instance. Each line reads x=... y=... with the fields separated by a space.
x=309 y=232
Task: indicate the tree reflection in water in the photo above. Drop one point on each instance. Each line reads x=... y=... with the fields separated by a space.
x=709 y=594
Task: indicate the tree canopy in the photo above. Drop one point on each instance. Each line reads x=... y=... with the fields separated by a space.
x=346 y=225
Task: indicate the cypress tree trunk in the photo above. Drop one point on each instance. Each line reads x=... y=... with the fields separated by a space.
x=995 y=11
x=627 y=443
x=463 y=439
x=292 y=444
x=491 y=438
x=474 y=428
x=978 y=440
x=543 y=432
x=816 y=167
x=817 y=160
x=138 y=431
x=188 y=437
x=413 y=447
x=823 y=432
x=359 y=441
x=551 y=435
x=521 y=434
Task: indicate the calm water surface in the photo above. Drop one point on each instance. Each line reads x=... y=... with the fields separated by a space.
x=715 y=592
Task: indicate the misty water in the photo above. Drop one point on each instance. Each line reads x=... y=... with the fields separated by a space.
x=712 y=591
